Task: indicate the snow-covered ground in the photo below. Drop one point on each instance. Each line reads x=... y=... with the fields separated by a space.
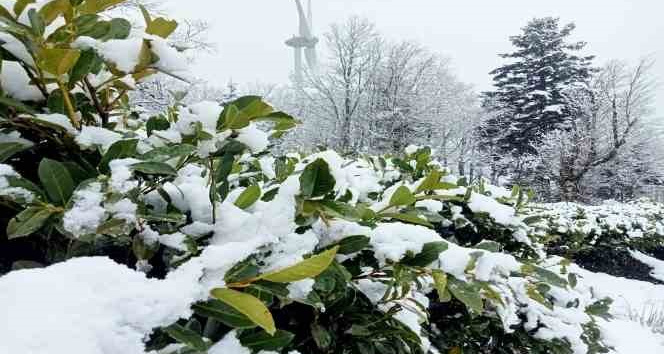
x=626 y=335
x=93 y=305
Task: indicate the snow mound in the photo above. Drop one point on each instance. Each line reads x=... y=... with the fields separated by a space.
x=86 y=306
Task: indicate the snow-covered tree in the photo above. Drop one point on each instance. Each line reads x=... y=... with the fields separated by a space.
x=610 y=147
x=379 y=96
x=530 y=88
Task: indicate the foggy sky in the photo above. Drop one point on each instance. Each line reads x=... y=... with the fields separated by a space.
x=250 y=34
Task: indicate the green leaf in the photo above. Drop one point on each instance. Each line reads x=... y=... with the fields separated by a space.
x=352 y=244
x=238 y=114
x=276 y=289
x=409 y=218
x=281 y=120
x=467 y=293
x=248 y=197
x=241 y=272
x=113 y=227
x=429 y=254
x=8 y=150
x=161 y=27
x=534 y=294
x=36 y=22
x=51 y=10
x=440 y=284
x=56 y=180
x=572 y=280
x=264 y=341
x=545 y=275
x=431 y=182
x=224 y=313
x=316 y=180
x=96 y=6
x=402 y=196
x=58 y=61
x=601 y=308
x=20 y=5
x=231 y=119
x=252 y=107
x=187 y=336
x=248 y=305
x=119 y=150
x=146 y=14
x=166 y=153
x=119 y=28
x=86 y=64
x=154 y=168
x=27 y=222
x=488 y=245
x=339 y=210
x=19 y=182
x=157 y=123
x=308 y=268
x=19 y=106
x=4 y=13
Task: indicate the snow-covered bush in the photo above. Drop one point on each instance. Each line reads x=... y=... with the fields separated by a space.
x=234 y=250
x=571 y=228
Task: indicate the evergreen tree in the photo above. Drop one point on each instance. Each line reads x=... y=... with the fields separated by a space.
x=530 y=89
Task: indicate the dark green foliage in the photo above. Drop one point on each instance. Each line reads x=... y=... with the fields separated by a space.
x=530 y=89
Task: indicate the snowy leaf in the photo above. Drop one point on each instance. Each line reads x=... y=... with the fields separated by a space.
x=409 y=218
x=308 y=268
x=154 y=168
x=157 y=123
x=544 y=275
x=534 y=294
x=8 y=150
x=187 y=336
x=281 y=120
x=56 y=180
x=352 y=244
x=248 y=305
x=468 y=293
x=429 y=254
x=119 y=150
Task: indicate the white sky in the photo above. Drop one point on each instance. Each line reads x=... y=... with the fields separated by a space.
x=250 y=34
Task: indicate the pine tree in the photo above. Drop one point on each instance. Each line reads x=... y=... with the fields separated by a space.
x=530 y=89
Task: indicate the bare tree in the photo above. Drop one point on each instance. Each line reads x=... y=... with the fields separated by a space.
x=610 y=128
x=341 y=87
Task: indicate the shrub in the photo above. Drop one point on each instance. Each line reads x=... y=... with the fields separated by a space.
x=316 y=253
x=600 y=237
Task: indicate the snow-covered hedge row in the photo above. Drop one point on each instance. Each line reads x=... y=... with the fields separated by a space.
x=234 y=250
x=575 y=226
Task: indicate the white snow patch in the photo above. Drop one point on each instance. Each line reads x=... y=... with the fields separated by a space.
x=654 y=263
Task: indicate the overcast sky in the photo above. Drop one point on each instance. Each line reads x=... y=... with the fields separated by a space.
x=250 y=34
